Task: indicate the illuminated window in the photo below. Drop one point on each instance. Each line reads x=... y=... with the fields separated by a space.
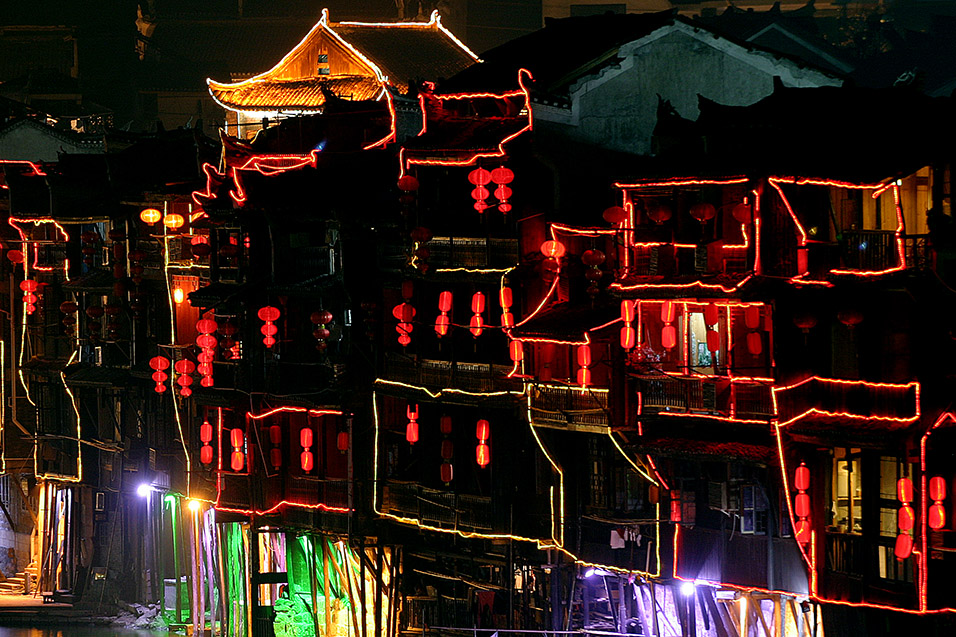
x=891 y=470
x=846 y=502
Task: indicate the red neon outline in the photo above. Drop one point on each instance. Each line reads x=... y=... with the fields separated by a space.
x=680 y=181
x=813 y=410
x=681 y=286
x=656 y=472
x=36 y=248
x=393 y=126
x=405 y=163
x=268 y=165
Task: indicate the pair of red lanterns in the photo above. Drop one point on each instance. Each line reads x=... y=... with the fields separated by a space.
x=237 y=438
x=482 y=432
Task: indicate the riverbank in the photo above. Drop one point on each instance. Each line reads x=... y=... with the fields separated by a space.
x=26 y=610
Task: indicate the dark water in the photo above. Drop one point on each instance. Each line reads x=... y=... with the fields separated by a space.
x=80 y=631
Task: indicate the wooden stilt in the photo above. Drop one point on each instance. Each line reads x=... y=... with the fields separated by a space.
x=325 y=588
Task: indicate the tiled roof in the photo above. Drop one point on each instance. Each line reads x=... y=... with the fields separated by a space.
x=406 y=53
x=302 y=95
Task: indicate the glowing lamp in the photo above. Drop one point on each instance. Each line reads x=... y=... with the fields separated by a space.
x=802 y=531
x=269 y=314
x=687 y=589
x=627 y=311
x=236 y=437
x=305 y=437
x=483 y=455
x=668 y=311
x=150 y=215
x=502 y=175
x=205 y=432
x=178 y=295
x=194 y=505
x=584 y=377
x=477 y=321
x=174 y=221
x=237 y=458
x=904 y=546
x=614 y=215
x=553 y=249
x=143 y=490
x=443 y=321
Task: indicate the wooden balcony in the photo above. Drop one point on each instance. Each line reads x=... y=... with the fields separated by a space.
x=565 y=407
x=440 y=374
x=472 y=252
x=443 y=509
x=705 y=396
x=869 y=250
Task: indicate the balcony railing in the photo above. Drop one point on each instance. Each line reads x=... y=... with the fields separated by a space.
x=705 y=395
x=870 y=249
x=474 y=377
x=438 y=508
x=468 y=252
x=569 y=407
x=845 y=553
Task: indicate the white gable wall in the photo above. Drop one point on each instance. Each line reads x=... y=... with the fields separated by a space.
x=617 y=107
x=33 y=143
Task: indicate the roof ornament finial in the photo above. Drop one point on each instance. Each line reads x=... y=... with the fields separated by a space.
x=325 y=15
x=435 y=17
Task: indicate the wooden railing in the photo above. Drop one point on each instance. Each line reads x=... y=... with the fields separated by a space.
x=704 y=395
x=846 y=553
x=471 y=252
x=475 y=377
x=569 y=407
x=438 y=508
x=870 y=249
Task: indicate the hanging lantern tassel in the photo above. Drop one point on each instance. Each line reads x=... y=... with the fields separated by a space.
x=801 y=504
x=306 y=458
x=502 y=177
x=159 y=364
x=269 y=315
x=238 y=458
x=483 y=450
x=477 y=321
x=411 y=429
x=443 y=321
x=905 y=519
x=205 y=436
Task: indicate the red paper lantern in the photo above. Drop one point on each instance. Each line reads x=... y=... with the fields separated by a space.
x=713 y=341
x=659 y=213
x=937 y=516
x=269 y=314
x=477 y=323
x=703 y=211
x=411 y=429
x=805 y=321
x=342 y=441
x=205 y=431
x=904 y=546
x=801 y=477
x=801 y=505
x=628 y=337
x=668 y=311
x=306 y=461
x=275 y=434
x=553 y=249
x=447 y=449
x=479 y=177
x=752 y=317
x=275 y=457
x=305 y=437
x=669 y=336
x=614 y=215
x=742 y=213
x=444 y=424
x=407 y=183
x=446 y=472
x=904 y=490
x=483 y=455
x=483 y=430
x=754 y=343
x=516 y=350
x=850 y=317
x=711 y=314
x=205 y=454
x=15 y=256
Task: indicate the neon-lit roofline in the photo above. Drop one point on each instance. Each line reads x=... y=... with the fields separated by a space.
x=679 y=181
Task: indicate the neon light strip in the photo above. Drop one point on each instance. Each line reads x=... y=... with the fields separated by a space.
x=449 y=390
x=681 y=286
x=479 y=155
x=682 y=182
x=393 y=127
x=312 y=412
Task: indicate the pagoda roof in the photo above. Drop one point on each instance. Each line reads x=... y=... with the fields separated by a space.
x=394 y=53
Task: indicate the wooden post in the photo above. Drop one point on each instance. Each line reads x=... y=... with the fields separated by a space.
x=642 y=610
x=325 y=587
x=657 y=627
x=777 y=619
x=744 y=628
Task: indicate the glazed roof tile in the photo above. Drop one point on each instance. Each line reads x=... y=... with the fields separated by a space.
x=294 y=95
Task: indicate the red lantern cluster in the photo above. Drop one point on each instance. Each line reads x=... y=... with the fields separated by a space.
x=404 y=312
x=628 y=332
x=506 y=301
x=593 y=259
x=159 y=365
x=321 y=320
x=184 y=368
x=905 y=519
x=229 y=329
x=443 y=321
x=205 y=436
x=411 y=429
x=306 y=458
x=269 y=315
x=752 y=323
x=584 y=365
x=502 y=176
x=477 y=324
x=552 y=251
x=29 y=288
x=447 y=471
x=89 y=239
x=93 y=326
x=480 y=178
x=199 y=246
x=483 y=450
x=207 y=344
x=408 y=185
x=669 y=331
x=801 y=504
x=275 y=439
x=937 y=512
x=69 y=308
x=237 y=459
